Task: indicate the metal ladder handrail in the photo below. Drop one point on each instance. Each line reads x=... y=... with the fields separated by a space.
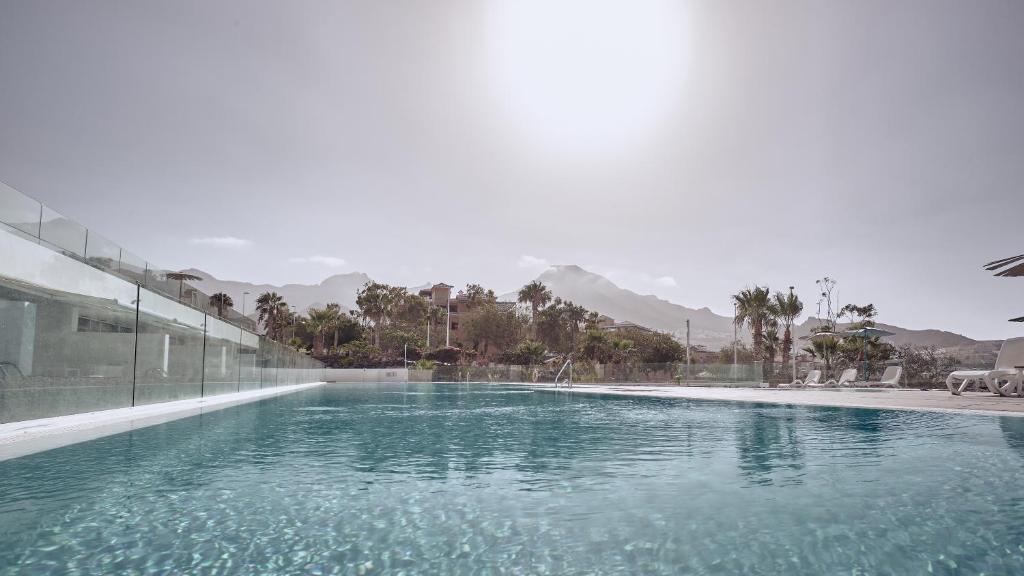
x=568 y=364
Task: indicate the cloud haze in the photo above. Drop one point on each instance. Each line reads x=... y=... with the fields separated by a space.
x=328 y=261
x=708 y=147
x=222 y=241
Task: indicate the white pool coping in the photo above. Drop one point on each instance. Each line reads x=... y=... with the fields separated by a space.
x=31 y=436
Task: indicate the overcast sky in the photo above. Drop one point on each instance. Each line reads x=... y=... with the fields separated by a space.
x=684 y=149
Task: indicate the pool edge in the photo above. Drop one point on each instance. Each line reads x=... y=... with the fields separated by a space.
x=32 y=436
x=805 y=398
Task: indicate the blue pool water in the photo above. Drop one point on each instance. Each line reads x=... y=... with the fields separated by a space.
x=494 y=479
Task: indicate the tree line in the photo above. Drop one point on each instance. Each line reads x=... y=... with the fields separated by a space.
x=390 y=325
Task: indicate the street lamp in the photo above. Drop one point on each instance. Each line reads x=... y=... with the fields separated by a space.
x=792 y=340
x=244 y=294
x=735 y=335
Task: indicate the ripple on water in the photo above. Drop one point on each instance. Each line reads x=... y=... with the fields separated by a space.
x=476 y=479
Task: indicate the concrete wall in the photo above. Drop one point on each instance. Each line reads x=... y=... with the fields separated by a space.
x=366 y=375
x=421 y=375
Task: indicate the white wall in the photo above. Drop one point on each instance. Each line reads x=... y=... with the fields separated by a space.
x=366 y=375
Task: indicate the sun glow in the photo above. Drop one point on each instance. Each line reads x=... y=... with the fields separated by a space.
x=586 y=75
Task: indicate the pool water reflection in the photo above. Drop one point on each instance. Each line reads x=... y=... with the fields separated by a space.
x=480 y=479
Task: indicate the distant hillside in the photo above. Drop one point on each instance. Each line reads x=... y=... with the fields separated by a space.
x=975 y=353
x=340 y=288
x=595 y=292
x=938 y=338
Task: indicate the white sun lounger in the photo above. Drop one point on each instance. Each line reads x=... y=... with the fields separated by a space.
x=890 y=378
x=845 y=379
x=813 y=378
x=1011 y=354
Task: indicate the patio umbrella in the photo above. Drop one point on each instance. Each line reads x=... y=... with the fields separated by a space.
x=865 y=333
x=820 y=336
x=1012 y=266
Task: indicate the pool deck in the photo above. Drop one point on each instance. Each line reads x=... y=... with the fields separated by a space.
x=31 y=436
x=982 y=403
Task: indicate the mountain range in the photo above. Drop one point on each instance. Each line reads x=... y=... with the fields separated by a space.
x=590 y=290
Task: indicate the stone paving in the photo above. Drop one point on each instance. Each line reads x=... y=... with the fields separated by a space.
x=928 y=400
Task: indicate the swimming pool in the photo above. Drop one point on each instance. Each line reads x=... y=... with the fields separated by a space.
x=490 y=479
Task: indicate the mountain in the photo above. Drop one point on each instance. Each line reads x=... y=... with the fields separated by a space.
x=340 y=288
x=937 y=338
x=595 y=292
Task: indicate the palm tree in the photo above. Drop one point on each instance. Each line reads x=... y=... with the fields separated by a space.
x=536 y=294
x=476 y=295
x=320 y=321
x=575 y=316
x=826 y=348
x=531 y=352
x=754 y=307
x=377 y=303
x=181 y=277
x=789 y=307
x=333 y=309
x=220 y=301
x=621 y=347
x=273 y=313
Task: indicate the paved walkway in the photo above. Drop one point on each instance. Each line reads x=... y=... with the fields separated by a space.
x=31 y=436
x=928 y=400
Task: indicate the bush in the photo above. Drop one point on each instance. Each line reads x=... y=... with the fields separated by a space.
x=446 y=355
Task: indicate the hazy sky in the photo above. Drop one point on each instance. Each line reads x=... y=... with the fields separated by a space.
x=684 y=149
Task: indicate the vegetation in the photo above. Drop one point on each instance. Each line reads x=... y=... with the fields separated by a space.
x=536 y=294
x=754 y=308
x=787 y=307
x=181 y=277
x=390 y=324
x=221 y=302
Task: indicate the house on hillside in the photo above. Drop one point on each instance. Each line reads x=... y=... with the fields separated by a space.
x=610 y=325
x=454 y=308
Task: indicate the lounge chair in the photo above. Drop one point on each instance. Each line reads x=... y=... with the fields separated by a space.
x=1011 y=354
x=813 y=378
x=845 y=379
x=890 y=378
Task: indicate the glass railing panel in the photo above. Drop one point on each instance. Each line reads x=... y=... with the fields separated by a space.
x=68 y=338
x=169 y=363
x=103 y=253
x=248 y=361
x=221 y=365
x=268 y=368
x=63 y=233
x=19 y=211
x=132 y=267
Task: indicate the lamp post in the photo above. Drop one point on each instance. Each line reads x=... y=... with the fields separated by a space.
x=687 y=351
x=792 y=341
x=244 y=294
x=735 y=342
x=448 y=324
x=735 y=336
